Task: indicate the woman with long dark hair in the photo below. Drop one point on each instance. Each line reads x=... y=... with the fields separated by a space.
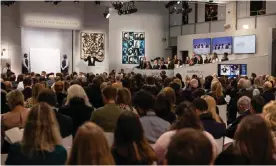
x=130 y=145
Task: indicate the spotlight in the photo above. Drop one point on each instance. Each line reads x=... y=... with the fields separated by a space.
x=178 y=2
x=106 y=13
x=97 y=2
x=76 y=1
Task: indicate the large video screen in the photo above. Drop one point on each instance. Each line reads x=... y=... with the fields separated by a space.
x=244 y=44
x=202 y=46
x=221 y=45
x=232 y=70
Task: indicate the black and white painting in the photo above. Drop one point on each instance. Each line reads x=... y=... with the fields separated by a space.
x=92 y=47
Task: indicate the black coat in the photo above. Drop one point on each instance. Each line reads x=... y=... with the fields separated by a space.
x=60 y=98
x=210 y=125
x=65 y=124
x=151 y=88
x=78 y=111
x=232 y=107
x=230 y=132
x=155 y=66
x=94 y=94
x=27 y=92
x=268 y=96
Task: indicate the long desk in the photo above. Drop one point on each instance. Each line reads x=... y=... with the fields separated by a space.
x=151 y=72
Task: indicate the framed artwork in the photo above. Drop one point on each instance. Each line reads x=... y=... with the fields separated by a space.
x=92 y=47
x=133 y=47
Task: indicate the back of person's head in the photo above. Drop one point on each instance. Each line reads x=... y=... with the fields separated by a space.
x=167 y=81
x=118 y=77
x=267 y=85
x=258 y=82
x=59 y=85
x=178 y=76
x=198 y=93
x=269 y=114
x=150 y=80
x=253 y=139
x=41 y=132
x=136 y=144
x=170 y=94
x=37 y=88
x=212 y=107
x=123 y=96
x=186 y=117
x=104 y=85
x=15 y=98
x=216 y=89
x=208 y=81
x=162 y=105
x=27 y=82
x=76 y=91
x=110 y=93
x=200 y=105
x=20 y=78
x=178 y=81
x=194 y=83
x=143 y=100
x=48 y=96
x=244 y=103
x=90 y=147
x=257 y=104
x=189 y=147
x=8 y=85
x=175 y=86
x=242 y=83
x=97 y=81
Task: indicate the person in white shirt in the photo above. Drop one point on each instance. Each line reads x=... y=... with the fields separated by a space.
x=6 y=68
x=215 y=58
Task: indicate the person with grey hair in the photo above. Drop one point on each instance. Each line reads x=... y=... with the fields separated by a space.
x=243 y=105
x=187 y=93
x=243 y=90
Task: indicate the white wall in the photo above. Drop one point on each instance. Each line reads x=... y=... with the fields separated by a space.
x=47 y=38
x=151 y=18
x=66 y=15
x=10 y=36
x=262 y=41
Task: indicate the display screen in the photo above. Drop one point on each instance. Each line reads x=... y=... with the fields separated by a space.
x=221 y=45
x=232 y=70
x=244 y=44
x=202 y=46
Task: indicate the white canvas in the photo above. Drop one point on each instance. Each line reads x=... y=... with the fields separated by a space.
x=44 y=59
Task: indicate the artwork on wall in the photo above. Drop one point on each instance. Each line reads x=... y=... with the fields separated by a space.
x=133 y=47
x=92 y=47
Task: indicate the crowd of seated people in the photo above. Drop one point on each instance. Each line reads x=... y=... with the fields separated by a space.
x=171 y=63
x=129 y=119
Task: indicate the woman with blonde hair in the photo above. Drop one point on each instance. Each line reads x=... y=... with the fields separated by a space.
x=41 y=140
x=77 y=106
x=269 y=113
x=37 y=88
x=212 y=107
x=90 y=147
x=216 y=93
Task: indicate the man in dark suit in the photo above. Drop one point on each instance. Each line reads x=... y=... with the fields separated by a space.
x=244 y=110
x=155 y=65
x=65 y=122
x=162 y=65
x=243 y=90
x=268 y=93
x=27 y=92
x=210 y=125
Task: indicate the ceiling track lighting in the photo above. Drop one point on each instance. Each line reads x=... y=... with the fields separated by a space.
x=7 y=3
x=185 y=9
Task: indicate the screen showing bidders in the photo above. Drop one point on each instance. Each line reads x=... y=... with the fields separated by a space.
x=244 y=44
